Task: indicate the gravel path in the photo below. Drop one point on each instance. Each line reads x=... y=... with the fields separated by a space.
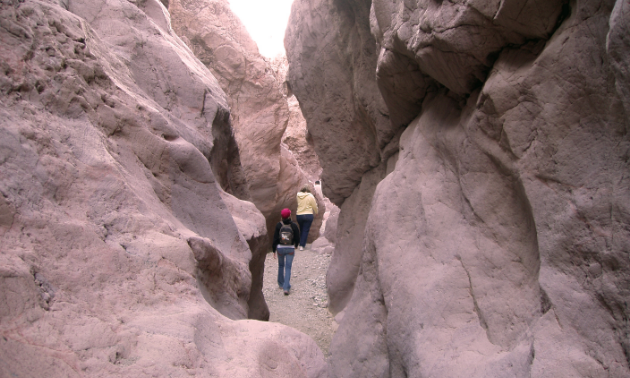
x=306 y=307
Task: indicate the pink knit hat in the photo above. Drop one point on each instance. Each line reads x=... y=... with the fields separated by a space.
x=285 y=213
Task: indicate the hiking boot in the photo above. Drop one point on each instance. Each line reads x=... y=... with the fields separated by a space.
x=301 y=248
x=286 y=292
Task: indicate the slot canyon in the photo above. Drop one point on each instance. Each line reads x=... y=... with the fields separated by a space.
x=473 y=158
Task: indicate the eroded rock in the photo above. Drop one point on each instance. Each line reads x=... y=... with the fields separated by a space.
x=109 y=133
x=251 y=224
x=494 y=243
x=332 y=58
x=259 y=109
x=296 y=136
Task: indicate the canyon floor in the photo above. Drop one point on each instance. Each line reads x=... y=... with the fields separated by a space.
x=306 y=307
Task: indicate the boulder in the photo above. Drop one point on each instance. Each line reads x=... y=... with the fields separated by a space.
x=323 y=247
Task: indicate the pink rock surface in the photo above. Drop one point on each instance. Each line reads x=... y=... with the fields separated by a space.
x=495 y=241
x=296 y=136
x=259 y=109
x=121 y=254
x=332 y=76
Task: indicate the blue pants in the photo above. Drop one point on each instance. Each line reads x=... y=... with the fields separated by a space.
x=304 y=221
x=285 y=260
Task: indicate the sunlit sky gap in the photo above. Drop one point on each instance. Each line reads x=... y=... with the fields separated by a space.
x=266 y=21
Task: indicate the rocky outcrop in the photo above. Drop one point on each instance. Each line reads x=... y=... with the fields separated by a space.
x=259 y=116
x=296 y=136
x=346 y=262
x=299 y=141
x=617 y=44
x=330 y=231
x=251 y=224
x=121 y=253
x=495 y=242
x=259 y=110
x=332 y=76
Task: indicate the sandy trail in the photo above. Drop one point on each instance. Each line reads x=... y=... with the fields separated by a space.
x=305 y=309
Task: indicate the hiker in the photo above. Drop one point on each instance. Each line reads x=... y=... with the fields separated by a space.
x=285 y=239
x=306 y=210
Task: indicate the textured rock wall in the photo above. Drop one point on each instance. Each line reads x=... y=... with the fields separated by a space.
x=345 y=264
x=331 y=74
x=259 y=111
x=120 y=253
x=296 y=136
x=300 y=143
x=496 y=245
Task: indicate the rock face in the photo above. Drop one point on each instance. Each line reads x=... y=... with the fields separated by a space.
x=332 y=76
x=259 y=109
x=296 y=136
x=121 y=253
x=299 y=141
x=259 y=114
x=331 y=225
x=493 y=242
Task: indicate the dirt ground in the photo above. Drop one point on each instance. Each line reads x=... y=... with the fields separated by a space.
x=305 y=308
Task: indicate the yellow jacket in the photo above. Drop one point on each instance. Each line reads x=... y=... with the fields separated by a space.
x=306 y=204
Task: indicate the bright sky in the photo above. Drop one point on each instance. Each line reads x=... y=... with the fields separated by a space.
x=265 y=21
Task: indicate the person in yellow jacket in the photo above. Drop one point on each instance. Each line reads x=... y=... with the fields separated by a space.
x=306 y=211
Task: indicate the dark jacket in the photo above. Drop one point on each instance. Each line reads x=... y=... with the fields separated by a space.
x=276 y=233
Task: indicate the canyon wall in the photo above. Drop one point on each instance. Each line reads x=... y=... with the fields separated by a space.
x=259 y=110
x=124 y=249
x=296 y=137
x=259 y=113
x=479 y=151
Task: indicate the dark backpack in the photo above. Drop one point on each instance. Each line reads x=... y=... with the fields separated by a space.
x=286 y=234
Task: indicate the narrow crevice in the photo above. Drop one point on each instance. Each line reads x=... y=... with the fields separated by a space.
x=565 y=13
x=482 y=320
x=545 y=302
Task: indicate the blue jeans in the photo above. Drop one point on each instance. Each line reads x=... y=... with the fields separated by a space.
x=285 y=260
x=304 y=221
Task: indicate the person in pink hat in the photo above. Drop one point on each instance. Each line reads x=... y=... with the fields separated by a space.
x=286 y=238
